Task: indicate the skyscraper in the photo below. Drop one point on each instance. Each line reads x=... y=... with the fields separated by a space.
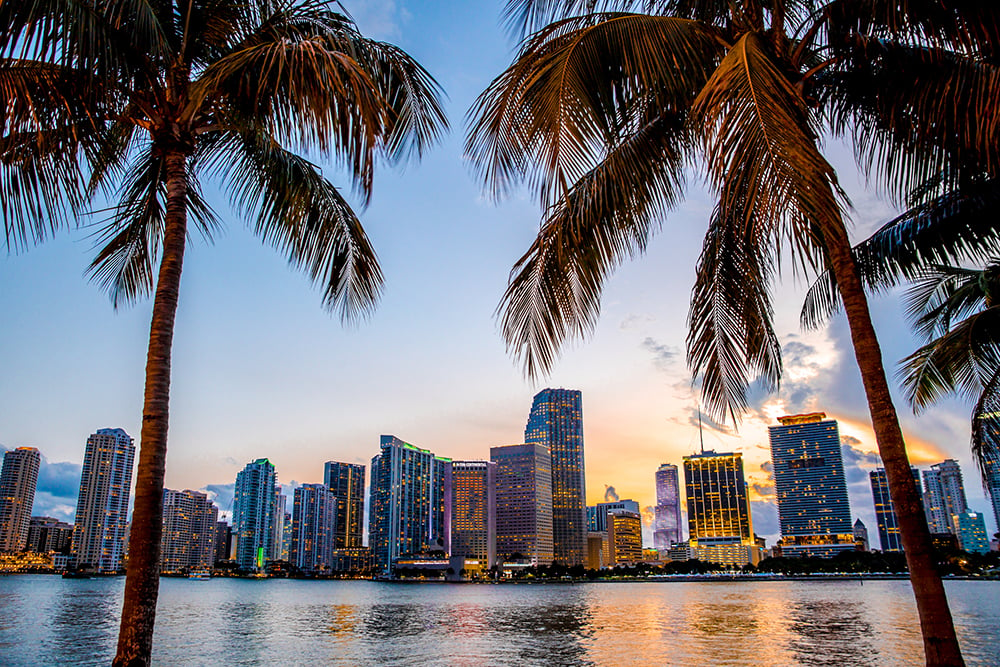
x=944 y=496
x=524 y=502
x=18 y=479
x=624 y=537
x=314 y=518
x=667 y=527
x=276 y=549
x=410 y=506
x=971 y=532
x=47 y=534
x=861 y=535
x=719 y=521
x=813 y=509
x=102 y=506
x=597 y=515
x=223 y=540
x=992 y=483
x=885 y=514
x=473 y=511
x=347 y=482
x=253 y=510
x=556 y=421
x=189 y=531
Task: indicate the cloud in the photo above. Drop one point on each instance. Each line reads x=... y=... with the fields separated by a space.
x=765 y=520
x=709 y=423
x=663 y=354
x=221 y=495
x=857 y=463
x=633 y=321
x=380 y=19
x=58 y=489
x=763 y=490
x=768 y=467
x=610 y=495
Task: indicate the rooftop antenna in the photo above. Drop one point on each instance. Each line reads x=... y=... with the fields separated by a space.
x=701 y=434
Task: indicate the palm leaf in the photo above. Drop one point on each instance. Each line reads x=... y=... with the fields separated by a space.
x=958 y=226
x=554 y=290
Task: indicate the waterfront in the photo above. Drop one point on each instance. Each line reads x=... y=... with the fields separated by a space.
x=46 y=620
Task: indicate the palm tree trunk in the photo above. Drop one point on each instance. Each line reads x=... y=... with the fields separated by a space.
x=135 y=636
x=940 y=643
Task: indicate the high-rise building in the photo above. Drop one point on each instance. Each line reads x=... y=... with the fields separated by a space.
x=667 y=527
x=223 y=541
x=253 y=510
x=813 y=509
x=861 y=535
x=102 y=506
x=992 y=483
x=556 y=421
x=885 y=514
x=624 y=537
x=597 y=515
x=47 y=534
x=971 y=532
x=473 y=511
x=18 y=479
x=524 y=502
x=719 y=521
x=286 y=538
x=944 y=496
x=277 y=551
x=314 y=519
x=410 y=506
x=347 y=481
x=189 y=531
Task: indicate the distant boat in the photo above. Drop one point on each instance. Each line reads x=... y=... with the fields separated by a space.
x=75 y=574
x=200 y=574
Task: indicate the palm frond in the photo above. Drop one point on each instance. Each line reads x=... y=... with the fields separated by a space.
x=576 y=88
x=942 y=295
x=129 y=240
x=731 y=341
x=962 y=361
x=555 y=288
x=914 y=112
x=302 y=215
x=958 y=226
x=986 y=427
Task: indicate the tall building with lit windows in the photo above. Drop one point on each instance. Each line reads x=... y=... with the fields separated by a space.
x=944 y=496
x=410 y=504
x=18 y=480
x=102 y=507
x=556 y=421
x=810 y=488
x=189 y=531
x=992 y=483
x=667 y=527
x=719 y=521
x=523 y=502
x=473 y=511
x=314 y=522
x=254 y=500
x=885 y=514
x=347 y=482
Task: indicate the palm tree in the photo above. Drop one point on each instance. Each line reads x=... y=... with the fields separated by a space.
x=139 y=100
x=604 y=107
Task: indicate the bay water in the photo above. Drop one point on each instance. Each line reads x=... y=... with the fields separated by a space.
x=47 y=620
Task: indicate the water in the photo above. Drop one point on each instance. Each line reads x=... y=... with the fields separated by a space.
x=46 y=620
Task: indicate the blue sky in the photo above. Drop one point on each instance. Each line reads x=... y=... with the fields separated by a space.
x=261 y=370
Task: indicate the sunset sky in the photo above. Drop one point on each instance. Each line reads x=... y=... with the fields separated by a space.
x=260 y=370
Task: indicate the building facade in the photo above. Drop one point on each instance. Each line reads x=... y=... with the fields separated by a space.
x=597 y=515
x=314 y=522
x=253 y=511
x=861 y=535
x=556 y=421
x=46 y=534
x=885 y=514
x=944 y=496
x=992 y=483
x=101 y=523
x=347 y=482
x=667 y=526
x=813 y=510
x=410 y=503
x=523 y=502
x=719 y=521
x=223 y=541
x=971 y=532
x=189 y=530
x=624 y=537
x=18 y=479
x=473 y=511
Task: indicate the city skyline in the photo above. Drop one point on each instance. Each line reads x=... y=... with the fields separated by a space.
x=258 y=363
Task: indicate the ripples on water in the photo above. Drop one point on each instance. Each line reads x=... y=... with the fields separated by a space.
x=47 y=620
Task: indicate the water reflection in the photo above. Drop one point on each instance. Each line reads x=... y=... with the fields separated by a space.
x=46 y=621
